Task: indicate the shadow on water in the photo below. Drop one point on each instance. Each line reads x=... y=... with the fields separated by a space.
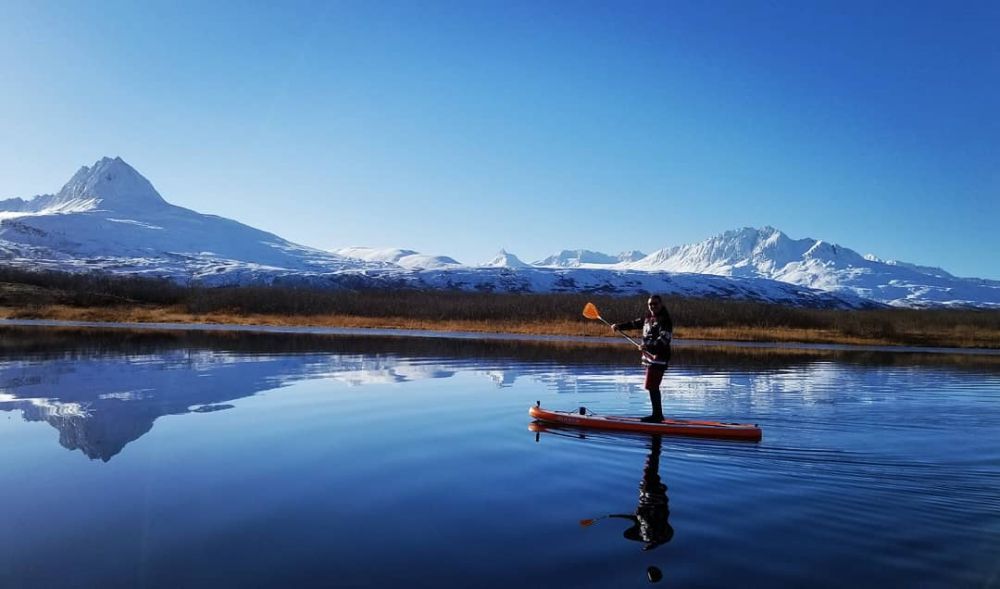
x=103 y=389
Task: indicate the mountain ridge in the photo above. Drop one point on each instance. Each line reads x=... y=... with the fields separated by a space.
x=109 y=217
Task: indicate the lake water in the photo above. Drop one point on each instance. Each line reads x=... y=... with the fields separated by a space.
x=201 y=460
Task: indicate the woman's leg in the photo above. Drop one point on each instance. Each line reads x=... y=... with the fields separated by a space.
x=654 y=376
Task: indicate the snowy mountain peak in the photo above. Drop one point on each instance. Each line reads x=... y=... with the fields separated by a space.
x=733 y=253
x=630 y=256
x=402 y=257
x=587 y=258
x=109 y=218
x=575 y=258
x=108 y=184
x=505 y=259
x=748 y=241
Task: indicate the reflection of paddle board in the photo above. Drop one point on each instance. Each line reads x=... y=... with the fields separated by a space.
x=669 y=427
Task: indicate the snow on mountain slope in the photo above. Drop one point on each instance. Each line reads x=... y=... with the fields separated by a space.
x=746 y=252
x=586 y=259
x=608 y=281
x=109 y=184
x=505 y=259
x=110 y=218
x=630 y=256
x=769 y=253
x=402 y=257
x=929 y=270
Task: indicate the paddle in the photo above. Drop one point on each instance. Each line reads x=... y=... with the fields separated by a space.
x=586 y=523
x=590 y=312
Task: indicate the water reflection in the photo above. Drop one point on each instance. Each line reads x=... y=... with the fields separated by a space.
x=373 y=466
x=103 y=390
x=650 y=522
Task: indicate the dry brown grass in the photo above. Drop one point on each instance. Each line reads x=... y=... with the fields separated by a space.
x=959 y=336
x=95 y=297
x=778 y=334
x=956 y=337
x=179 y=315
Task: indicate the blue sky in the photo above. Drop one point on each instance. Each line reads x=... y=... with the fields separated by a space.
x=461 y=127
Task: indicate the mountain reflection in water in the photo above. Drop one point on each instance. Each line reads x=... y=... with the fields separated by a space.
x=405 y=462
x=105 y=389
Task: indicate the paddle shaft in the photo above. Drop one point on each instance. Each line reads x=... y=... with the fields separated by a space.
x=590 y=312
x=634 y=343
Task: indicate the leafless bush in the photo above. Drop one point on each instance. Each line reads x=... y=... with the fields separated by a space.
x=104 y=290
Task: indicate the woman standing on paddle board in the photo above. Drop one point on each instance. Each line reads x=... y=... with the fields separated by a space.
x=657 y=331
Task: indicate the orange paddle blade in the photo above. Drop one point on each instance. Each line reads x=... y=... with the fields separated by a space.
x=590 y=311
x=587 y=522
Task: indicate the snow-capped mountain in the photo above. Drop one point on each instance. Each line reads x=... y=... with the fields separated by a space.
x=505 y=259
x=586 y=258
x=769 y=253
x=110 y=218
x=405 y=258
x=631 y=256
x=747 y=252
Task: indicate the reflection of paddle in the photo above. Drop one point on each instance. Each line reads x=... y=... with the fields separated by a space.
x=586 y=523
x=653 y=573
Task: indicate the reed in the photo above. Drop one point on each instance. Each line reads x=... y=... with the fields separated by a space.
x=93 y=297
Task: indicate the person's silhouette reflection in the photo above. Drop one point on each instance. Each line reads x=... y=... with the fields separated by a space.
x=651 y=520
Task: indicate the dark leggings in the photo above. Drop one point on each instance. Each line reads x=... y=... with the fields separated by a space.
x=654 y=376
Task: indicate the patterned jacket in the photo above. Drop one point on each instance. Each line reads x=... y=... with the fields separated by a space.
x=657 y=331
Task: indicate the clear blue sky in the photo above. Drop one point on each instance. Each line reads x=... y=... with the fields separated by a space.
x=460 y=127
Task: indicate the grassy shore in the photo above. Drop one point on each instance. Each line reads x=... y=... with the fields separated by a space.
x=101 y=298
x=960 y=337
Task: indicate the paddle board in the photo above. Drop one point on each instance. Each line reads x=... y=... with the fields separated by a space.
x=670 y=427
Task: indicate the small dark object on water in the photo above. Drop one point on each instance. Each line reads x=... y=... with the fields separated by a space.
x=583 y=410
x=654 y=574
x=211 y=408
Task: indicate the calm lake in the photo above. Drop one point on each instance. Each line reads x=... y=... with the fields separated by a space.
x=218 y=460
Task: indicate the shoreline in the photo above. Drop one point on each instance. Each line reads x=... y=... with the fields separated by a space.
x=483 y=335
x=455 y=316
